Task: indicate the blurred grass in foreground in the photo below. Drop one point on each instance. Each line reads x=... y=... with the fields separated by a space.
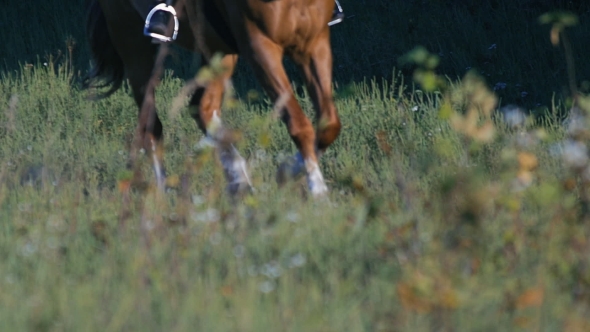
x=441 y=217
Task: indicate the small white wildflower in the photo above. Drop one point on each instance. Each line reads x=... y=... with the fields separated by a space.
x=500 y=86
x=55 y=223
x=52 y=243
x=264 y=187
x=252 y=271
x=261 y=154
x=198 y=200
x=149 y=225
x=415 y=108
x=513 y=116
x=28 y=249
x=266 y=286
x=215 y=238
x=281 y=157
x=575 y=123
x=271 y=270
x=239 y=251
x=206 y=142
x=24 y=207
x=297 y=260
x=208 y=216
x=575 y=154
x=292 y=216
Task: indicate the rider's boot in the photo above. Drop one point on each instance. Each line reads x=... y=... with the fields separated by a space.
x=337 y=15
x=157 y=24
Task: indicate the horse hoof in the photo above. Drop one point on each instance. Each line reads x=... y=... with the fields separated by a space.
x=239 y=189
x=236 y=172
x=315 y=179
x=318 y=189
x=290 y=169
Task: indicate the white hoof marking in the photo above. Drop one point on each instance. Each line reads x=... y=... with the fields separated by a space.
x=315 y=179
x=234 y=165
x=158 y=170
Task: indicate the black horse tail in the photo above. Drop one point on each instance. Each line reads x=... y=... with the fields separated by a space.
x=108 y=67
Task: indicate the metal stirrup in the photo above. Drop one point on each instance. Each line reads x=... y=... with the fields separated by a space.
x=340 y=14
x=166 y=8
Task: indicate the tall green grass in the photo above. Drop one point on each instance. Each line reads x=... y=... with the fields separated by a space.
x=425 y=228
x=432 y=222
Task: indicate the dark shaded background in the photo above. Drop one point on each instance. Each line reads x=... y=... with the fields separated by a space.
x=501 y=39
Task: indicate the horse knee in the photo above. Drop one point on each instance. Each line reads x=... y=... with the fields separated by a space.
x=202 y=105
x=328 y=131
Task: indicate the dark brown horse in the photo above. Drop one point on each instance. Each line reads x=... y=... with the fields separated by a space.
x=260 y=31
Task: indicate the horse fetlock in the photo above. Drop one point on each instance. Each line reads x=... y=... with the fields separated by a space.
x=290 y=169
x=328 y=131
x=235 y=170
x=315 y=179
x=297 y=166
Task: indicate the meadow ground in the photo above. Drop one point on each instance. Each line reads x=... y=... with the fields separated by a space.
x=431 y=223
x=440 y=216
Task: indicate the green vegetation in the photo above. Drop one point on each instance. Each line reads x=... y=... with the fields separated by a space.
x=440 y=217
x=433 y=221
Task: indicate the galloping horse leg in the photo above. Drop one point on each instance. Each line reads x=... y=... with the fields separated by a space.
x=149 y=132
x=138 y=55
x=316 y=67
x=266 y=58
x=205 y=107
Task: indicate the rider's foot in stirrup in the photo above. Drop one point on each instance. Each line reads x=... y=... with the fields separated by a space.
x=337 y=16
x=159 y=24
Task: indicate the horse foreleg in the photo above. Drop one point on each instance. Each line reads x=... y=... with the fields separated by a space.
x=266 y=59
x=205 y=109
x=316 y=67
x=234 y=165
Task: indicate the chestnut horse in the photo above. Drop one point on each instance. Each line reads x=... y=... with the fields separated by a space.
x=260 y=31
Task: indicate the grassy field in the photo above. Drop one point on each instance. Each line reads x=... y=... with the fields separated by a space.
x=434 y=222
x=440 y=217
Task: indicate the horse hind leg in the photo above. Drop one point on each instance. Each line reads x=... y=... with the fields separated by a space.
x=149 y=131
x=205 y=107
